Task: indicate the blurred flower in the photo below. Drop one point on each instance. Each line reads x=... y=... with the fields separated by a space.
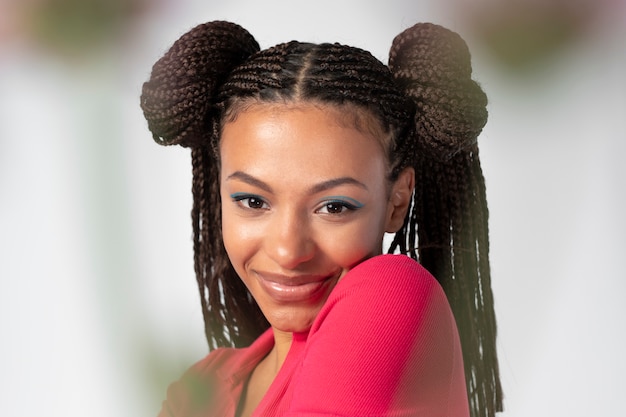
x=521 y=34
x=73 y=27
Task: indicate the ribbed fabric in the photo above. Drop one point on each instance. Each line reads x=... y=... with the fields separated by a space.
x=384 y=344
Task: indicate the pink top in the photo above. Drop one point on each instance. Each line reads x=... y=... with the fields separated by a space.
x=384 y=344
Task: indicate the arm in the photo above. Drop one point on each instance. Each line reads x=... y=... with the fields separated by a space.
x=385 y=344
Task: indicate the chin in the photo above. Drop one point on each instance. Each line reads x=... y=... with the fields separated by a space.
x=295 y=323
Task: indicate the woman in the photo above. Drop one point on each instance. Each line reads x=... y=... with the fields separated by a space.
x=304 y=156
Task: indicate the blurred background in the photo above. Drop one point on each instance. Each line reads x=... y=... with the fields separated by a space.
x=98 y=303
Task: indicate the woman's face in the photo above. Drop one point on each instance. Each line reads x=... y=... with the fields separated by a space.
x=304 y=199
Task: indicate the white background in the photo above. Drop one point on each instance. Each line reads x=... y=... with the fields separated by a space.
x=98 y=303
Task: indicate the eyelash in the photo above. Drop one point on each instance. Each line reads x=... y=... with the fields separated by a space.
x=342 y=205
x=240 y=199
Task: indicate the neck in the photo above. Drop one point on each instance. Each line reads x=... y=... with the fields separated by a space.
x=282 y=344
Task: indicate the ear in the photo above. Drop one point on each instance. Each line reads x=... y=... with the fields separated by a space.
x=399 y=200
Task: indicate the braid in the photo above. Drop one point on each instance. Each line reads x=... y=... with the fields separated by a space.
x=176 y=100
x=179 y=104
x=449 y=207
x=198 y=156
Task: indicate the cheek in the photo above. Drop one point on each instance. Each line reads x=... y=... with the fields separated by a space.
x=351 y=245
x=238 y=240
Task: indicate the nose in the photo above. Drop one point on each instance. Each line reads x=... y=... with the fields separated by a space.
x=289 y=240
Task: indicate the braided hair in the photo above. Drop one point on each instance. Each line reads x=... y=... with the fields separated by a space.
x=428 y=107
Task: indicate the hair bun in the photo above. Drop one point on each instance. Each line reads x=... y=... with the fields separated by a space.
x=177 y=99
x=432 y=64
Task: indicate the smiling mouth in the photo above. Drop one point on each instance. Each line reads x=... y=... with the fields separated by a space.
x=301 y=288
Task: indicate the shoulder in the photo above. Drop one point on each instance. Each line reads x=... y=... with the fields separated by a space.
x=387 y=296
x=188 y=395
x=211 y=383
x=390 y=271
x=388 y=284
x=387 y=340
x=223 y=361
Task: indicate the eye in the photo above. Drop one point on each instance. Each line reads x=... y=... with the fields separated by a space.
x=339 y=206
x=250 y=201
x=334 y=207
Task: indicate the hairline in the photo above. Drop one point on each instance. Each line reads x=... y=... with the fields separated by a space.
x=350 y=115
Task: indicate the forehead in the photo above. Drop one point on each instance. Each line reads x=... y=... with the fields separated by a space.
x=298 y=140
x=346 y=115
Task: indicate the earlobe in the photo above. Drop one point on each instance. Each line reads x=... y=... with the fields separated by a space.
x=399 y=200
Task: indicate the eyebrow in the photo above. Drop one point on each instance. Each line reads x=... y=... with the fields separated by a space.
x=317 y=188
x=335 y=182
x=249 y=179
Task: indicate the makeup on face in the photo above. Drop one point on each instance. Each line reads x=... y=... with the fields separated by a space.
x=304 y=199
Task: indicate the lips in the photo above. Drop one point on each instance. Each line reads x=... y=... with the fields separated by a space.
x=293 y=289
